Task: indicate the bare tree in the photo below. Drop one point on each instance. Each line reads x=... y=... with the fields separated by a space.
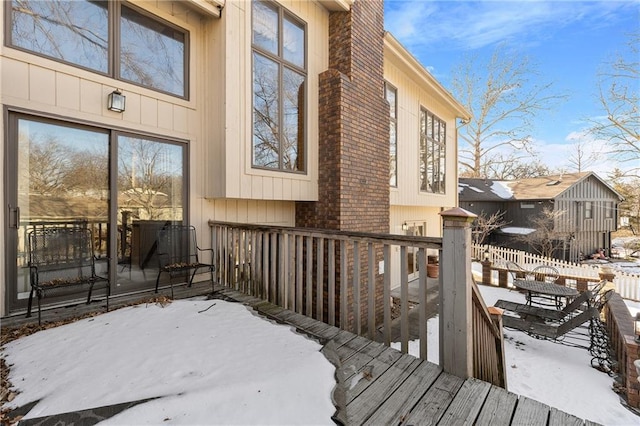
x=89 y=172
x=48 y=166
x=510 y=168
x=146 y=172
x=629 y=188
x=78 y=32
x=504 y=99
x=485 y=224
x=546 y=239
x=581 y=158
x=620 y=99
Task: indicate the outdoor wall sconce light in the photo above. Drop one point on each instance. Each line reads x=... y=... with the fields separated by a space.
x=405 y=227
x=637 y=327
x=486 y=254
x=116 y=101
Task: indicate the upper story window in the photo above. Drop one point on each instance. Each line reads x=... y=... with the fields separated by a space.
x=279 y=88
x=433 y=137
x=588 y=210
x=608 y=209
x=527 y=205
x=146 y=50
x=392 y=95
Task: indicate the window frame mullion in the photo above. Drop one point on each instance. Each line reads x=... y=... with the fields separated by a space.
x=280 y=86
x=114 y=40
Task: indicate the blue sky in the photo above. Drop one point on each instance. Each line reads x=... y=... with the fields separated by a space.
x=569 y=41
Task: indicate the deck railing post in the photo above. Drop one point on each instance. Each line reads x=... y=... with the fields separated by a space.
x=456 y=339
x=486 y=272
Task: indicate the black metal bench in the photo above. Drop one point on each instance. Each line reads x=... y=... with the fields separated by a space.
x=524 y=310
x=61 y=260
x=177 y=250
x=552 y=331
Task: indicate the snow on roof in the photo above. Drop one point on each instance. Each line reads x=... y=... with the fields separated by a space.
x=516 y=230
x=462 y=186
x=472 y=189
x=502 y=189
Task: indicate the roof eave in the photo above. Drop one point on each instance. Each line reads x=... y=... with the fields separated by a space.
x=414 y=68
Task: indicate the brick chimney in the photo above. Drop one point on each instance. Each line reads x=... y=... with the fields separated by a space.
x=354 y=127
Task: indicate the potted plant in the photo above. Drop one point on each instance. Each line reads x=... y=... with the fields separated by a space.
x=433 y=266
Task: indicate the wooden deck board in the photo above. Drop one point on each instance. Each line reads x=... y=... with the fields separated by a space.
x=343 y=337
x=435 y=401
x=560 y=418
x=355 y=345
x=400 y=403
x=498 y=408
x=378 y=389
x=380 y=385
x=466 y=405
x=530 y=412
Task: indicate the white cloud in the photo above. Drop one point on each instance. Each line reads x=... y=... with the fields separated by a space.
x=404 y=19
x=557 y=156
x=471 y=25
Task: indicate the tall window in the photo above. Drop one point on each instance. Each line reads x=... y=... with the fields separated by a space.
x=608 y=209
x=279 y=86
x=588 y=210
x=433 y=138
x=392 y=95
x=147 y=51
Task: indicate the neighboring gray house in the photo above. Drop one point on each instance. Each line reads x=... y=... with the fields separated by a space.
x=590 y=207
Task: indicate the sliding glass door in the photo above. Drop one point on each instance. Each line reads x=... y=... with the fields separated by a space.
x=60 y=174
x=150 y=196
x=59 y=177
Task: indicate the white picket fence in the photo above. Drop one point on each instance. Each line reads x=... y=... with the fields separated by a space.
x=627 y=285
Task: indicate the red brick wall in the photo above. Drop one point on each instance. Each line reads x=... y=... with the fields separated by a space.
x=354 y=127
x=353 y=180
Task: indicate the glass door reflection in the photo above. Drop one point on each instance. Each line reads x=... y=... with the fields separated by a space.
x=150 y=197
x=62 y=180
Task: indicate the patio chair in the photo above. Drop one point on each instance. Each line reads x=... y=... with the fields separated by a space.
x=517 y=272
x=545 y=273
x=177 y=250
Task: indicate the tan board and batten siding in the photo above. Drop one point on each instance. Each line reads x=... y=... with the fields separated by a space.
x=230 y=162
x=418 y=89
x=45 y=87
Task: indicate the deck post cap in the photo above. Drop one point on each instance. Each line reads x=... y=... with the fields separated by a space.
x=458 y=214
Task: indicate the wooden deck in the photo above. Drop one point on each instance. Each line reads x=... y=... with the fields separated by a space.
x=376 y=385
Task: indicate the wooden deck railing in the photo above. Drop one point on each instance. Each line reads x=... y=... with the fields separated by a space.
x=345 y=279
x=311 y=272
x=620 y=329
x=488 y=342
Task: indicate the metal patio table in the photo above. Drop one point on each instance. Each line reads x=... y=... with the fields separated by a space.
x=544 y=289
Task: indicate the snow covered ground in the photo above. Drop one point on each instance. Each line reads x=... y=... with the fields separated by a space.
x=214 y=362
x=628 y=266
